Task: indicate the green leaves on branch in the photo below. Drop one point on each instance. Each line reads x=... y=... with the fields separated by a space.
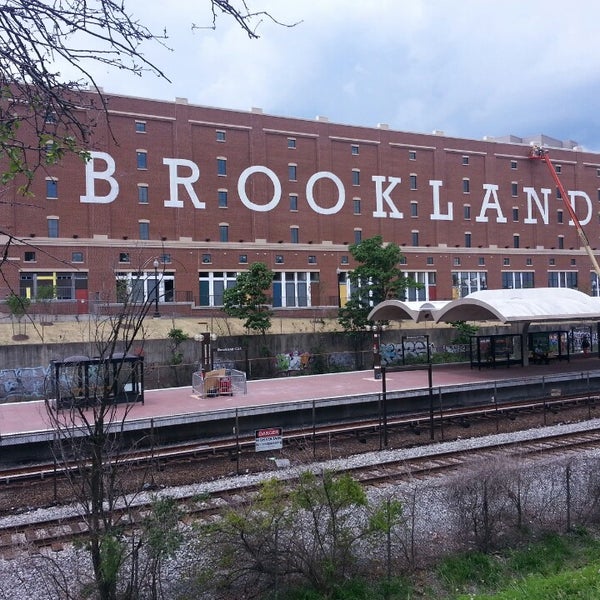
x=377 y=277
x=248 y=300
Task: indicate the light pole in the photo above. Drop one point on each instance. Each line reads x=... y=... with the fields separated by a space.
x=377 y=329
x=156 y=313
x=206 y=351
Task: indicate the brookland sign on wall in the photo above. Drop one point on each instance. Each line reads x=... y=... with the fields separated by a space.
x=183 y=174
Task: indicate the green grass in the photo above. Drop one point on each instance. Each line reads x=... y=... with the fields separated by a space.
x=556 y=567
x=573 y=584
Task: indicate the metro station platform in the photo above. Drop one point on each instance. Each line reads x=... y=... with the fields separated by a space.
x=28 y=421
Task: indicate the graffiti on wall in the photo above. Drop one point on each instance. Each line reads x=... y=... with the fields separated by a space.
x=23 y=384
x=394 y=353
x=292 y=361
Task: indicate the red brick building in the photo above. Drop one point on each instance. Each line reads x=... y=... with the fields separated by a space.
x=196 y=194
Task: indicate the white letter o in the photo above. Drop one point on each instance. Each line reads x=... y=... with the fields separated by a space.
x=311 y=199
x=242 y=189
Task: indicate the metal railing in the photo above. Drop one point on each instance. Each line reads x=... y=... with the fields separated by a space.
x=222 y=382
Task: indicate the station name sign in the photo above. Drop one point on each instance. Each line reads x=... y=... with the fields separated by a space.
x=183 y=174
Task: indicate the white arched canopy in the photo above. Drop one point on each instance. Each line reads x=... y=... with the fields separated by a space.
x=508 y=306
x=522 y=306
x=518 y=306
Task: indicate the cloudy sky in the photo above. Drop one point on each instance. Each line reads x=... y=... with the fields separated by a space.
x=470 y=68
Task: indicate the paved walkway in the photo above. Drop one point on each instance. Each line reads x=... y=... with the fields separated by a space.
x=29 y=417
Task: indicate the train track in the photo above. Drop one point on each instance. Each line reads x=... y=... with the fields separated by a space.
x=233 y=446
x=53 y=529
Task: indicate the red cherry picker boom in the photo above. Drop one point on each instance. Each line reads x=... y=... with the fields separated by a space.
x=539 y=153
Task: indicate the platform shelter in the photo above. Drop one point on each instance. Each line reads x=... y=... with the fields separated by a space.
x=522 y=307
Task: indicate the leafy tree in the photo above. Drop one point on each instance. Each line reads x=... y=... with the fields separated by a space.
x=248 y=545
x=248 y=300
x=325 y=542
x=376 y=278
x=90 y=447
x=176 y=337
x=464 y=331
x=18 y=306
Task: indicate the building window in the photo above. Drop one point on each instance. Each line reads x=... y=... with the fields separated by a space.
x=529 y=261
x=357 y=236
x=516 y=241
x=467 y=240
x=213 y=285
x=142 y=286
x=413 y=181
x=426 y=289
x=77 y=257
x=243 y=259
x=412 y=155
x=561 y=242
x=165 y=259
x=51 y=118
x=513 y=164
x=124 y=257
x=291 y=143
x=456 y=261
x=292 y=289
x=292 y=173
x=403 y=260
x=206 y=259
x=293 y=202
x=222 y=198
x=481 y=261
x=356 y=204
x=573 y=262
x=429 y=260
x=514 y=189
x=143 y=194
x=552 y=262
x=294 y=235
x=466 y=282
x=355 y=177
x=414 y=209
x=562 y=279
x=466 y=186
x=354 y=149
x=515 y=214
x=52 y=188
x=140 y=126
x=506 y=261
x=517 y=280
x=558 y=168
x=64 y=284
x=559 y=216
x=465 y=160
x=312 y=259
x=144 y=230
x=142 y=159
x=221 y=167
x=221 y=135
x=414 y=236
x=467 y=211
x=53 y=227
x=224 y=233
x=29 y=256
x=279 y=259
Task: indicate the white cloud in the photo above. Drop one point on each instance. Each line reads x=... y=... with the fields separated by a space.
x=470 y=68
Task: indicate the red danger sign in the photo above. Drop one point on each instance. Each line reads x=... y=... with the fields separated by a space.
x=268 y=439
